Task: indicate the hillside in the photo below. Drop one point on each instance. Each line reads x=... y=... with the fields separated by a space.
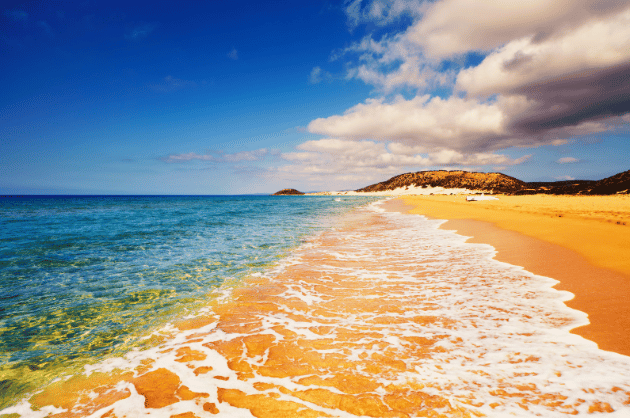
x=619 y=183
x=558 y=187
x=489 y=182
x=500 y=183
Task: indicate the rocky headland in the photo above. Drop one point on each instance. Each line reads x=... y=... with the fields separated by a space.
x=287 y=192
x=459 y=181
x=617 y=184
x=500 y=183
x=486 y=182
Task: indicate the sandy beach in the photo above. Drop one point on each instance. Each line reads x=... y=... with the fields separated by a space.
x=384 y=315
x=583 y=241
x=402 y=191
x=342 y=209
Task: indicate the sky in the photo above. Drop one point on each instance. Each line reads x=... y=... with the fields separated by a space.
x=243 y=97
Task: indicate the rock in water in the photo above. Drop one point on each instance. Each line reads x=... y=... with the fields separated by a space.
x=285 y=192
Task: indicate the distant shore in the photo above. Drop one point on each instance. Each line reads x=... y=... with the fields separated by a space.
x=582 y=241
x=402 y=191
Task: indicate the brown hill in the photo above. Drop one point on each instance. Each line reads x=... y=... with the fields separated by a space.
x=487 y=182
x=286 y=192
x=619 y=183
x=571 y=187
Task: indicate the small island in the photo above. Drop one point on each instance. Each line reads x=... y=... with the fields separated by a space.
x=287 y=192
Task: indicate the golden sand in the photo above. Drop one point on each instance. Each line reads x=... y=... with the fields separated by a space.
x=360 y=325
x=583 y=241
x=323 y=377
x=596 y=227
x=370 y=319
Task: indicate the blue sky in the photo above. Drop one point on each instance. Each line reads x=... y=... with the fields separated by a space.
x=250 y=97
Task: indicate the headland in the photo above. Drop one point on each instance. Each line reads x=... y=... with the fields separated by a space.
x=464 y=182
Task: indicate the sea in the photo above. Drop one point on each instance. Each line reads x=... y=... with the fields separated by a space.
x=85 y=277
x=273 y=306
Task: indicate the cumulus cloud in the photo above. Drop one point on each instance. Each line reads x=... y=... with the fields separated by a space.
x=332 y=159
x=191 y=156
x=579 y=77
x=254 y=155
x=432 y=122
x=578 y=54
x=464 y=124
x=381 y=12
x=567 y=160
x=452 y=27
x=318 y=75
x=216 y=157
x=393 y=62
x=546 y=72
x=315 y=76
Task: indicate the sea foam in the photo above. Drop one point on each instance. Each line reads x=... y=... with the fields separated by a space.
x=384 y=315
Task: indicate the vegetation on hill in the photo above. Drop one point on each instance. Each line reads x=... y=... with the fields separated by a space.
x=285 y=192
x=490 y=182
x=500 y=183
x=619 y=183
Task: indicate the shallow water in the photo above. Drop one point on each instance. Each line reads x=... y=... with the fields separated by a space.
x=384 y=315
x=83 y=278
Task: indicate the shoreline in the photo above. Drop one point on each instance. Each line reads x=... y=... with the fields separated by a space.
x=372 y=317
x=605 y=301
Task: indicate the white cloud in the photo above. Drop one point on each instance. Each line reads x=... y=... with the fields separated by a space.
x=393 y=62
x=575 y=54
x=404 y=149
x=318 y=75
x=245 y=155
x=330 y=160
x=381 y=12
x=411 y=72
x=453 y=27
x=233 y=54
x=567 y=160
x=565 y=178
x=217 y=157
x=463 y=124
x=433 y=123
x=315 y=76
x=342 y=147
x=552 y=71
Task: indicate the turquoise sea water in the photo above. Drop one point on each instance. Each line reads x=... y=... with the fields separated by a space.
x=82 y=278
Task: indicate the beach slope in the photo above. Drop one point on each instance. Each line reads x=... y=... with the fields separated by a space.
x=583 y=241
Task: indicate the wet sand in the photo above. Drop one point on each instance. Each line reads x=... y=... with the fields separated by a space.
x=582 y=241
x=385 y=315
